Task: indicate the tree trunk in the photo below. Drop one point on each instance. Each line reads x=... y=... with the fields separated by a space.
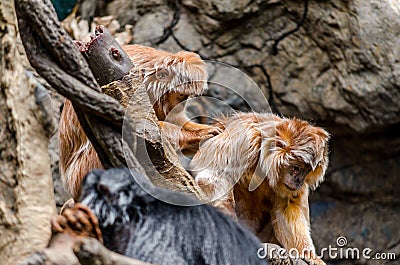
x=26 y=188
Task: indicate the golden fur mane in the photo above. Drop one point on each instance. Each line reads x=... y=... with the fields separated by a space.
x=183 y=72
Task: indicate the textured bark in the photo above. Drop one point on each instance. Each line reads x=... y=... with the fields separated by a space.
x=26 y=188
x=103 y=118
x=105 y=56
x=55 y=57
x=154 y=153
x=65 y=249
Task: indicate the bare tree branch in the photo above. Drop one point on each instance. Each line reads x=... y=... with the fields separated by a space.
x=55 y=57
x=90 y=251
x=66 y=249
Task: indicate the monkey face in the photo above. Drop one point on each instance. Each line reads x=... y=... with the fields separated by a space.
x=176 y=101
x=295 y=156
x=110 y=195
x=171 y=101
x=294 y=175
x=113 y=195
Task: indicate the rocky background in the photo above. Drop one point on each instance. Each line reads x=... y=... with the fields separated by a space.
x=335 y=63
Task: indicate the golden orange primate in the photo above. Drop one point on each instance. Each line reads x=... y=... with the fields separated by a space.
x=169 y=80
x=260 y=170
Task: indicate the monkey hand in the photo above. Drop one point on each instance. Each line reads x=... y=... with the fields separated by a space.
x=207 y=132
x=316 y=261
x=189 y=140
x=202 y=128
x=78 y=221
x=227 y=207
x=312 y=260
x=188 y=137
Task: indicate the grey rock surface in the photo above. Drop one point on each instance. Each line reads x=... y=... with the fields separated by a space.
x=341 y=66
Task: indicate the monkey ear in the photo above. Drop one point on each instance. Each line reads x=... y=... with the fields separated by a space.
x=321 y=159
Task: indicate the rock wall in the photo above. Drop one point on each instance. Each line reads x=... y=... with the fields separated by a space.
x=341 y=66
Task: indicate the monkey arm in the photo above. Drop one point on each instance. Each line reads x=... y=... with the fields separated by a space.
x=77 y=155
x=214 y=189
x=182 y=139
x=291 y=225
x=227 y=205
x=191 y=133
x=219 y=191
x=177 y=115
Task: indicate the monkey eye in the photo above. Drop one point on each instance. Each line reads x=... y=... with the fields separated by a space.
x=118 y=220
x=294 y=170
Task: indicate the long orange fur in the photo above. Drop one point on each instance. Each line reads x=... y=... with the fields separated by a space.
x=251 y=153
x=165 y=76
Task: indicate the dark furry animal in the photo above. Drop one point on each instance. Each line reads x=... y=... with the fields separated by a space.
x=140 y=226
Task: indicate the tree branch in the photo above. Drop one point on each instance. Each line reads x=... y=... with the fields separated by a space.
x=55 y=57
x=66 y=249
x=90 y=251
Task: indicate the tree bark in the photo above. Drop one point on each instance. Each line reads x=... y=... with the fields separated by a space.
x=54 y=55
x=66 y=249
x=26 y=188
x=111 y=67
x=153 y=151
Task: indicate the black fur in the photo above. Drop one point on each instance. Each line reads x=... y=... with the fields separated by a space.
x=137 y=225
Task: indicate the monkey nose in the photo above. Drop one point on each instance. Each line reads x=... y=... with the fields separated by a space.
x=299 y=182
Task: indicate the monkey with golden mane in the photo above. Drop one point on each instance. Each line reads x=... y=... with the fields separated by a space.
x=260 y=170
x=169 y=80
